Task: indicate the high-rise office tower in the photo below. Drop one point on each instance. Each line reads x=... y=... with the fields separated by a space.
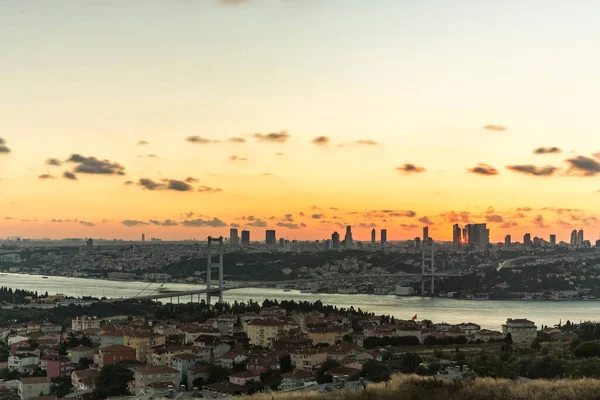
x=418 y=243
x=456 y=234
x=477 y=234
x=234 y=239
x=335 y=240
x=270 y=238
x=552 y=240
x=373 y=236
x=580 y=238
x=90 y=246
x=573 y=241
x=281 y=242
x=527 y=239
x=507 y=240
x=143 y=237
x=425 y=233
x=245 y=238
x=465 y=236
x=348 y=242
x=383 y=236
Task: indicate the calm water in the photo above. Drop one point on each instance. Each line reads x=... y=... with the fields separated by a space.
x=488 y=314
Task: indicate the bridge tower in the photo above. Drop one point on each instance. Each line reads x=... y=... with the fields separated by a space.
x=216 y=251
x=424 y=259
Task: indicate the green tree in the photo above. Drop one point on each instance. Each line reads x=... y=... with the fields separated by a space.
x=285 y=364
x=61 y=386
x=375 y=371
x=112 y=381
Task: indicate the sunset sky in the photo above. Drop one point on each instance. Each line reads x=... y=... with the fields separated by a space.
x=183 y=118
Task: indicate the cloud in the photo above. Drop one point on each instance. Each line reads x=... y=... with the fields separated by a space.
x=236 y=140
x=526 y=209
x=289 y=217
x=367 y=142
x=529 y=169
x=260 y=223
x=208 y=189
x=142 y=143
x=59 y=221
x=128 y=183
x=166 y=222
x=317 y=216
x=498 y=128
x=410 y=169
x=583 y=166
x=200 y=140
x=92 y=165
x=483 y=169
x=148 y=156
x=45 y=176
x=409 y=226
x=274 y=137
x=539 y=222
x=213 y=223
x=133 y=222
x=54 y=161
x=494 y=218
x=563 y=224
x=278 y=154
x=454 y=217
x=237 y=158
x=178 y=186
x=234 y=225
x=289 y=225
x=320 y=140
x=365 y=225
x=547 y=150
x=508 y=225
x=69 y=175
x=150 y=184
x=425 y=220
x=3 y=147
x=191 y=179
x=87 y=223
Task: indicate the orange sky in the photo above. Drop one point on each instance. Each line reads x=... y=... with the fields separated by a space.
x=299 y=117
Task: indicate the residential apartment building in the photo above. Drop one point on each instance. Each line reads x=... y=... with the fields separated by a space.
x=262 y=332
x=145 y=376
x=522 y=331
x=114 y=355
x=82 y=323
x=33 y=387
x=308 y=359
x=142 y=342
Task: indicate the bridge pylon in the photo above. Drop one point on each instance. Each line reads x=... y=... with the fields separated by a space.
x=210 y=266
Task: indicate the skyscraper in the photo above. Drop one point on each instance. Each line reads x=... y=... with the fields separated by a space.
x=270 y=238
x=507 y=240
x=383 y=236
x=335 y=240
x=573 y=241
x=245 y=238
x=348 y=242
x=234 y=239
x=580 y=238
x=143 y=237
x=425 y=233
x=90 y=246
x=478 y=234
x=281 y=242
x=373 y=236
x=527 y=239
x=456 y=233
x=418 y=243
x=552 y=240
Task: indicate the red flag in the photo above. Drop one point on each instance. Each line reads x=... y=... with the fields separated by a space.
x=414 y=318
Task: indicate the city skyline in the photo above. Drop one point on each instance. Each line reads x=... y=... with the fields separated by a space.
x=173 y=134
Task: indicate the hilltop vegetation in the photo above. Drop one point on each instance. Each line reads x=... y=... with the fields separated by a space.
x=411 y=387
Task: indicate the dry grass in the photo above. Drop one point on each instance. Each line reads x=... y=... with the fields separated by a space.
x=411 y=387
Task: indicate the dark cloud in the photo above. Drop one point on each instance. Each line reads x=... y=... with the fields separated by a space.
x=208 y=189
x=69 y=175
x=508 y=225
x=213 y=223
x=453 y=217
x=8 y=218
x=539 y=222
x=3 y=147
x=410 y=169
x=483 y=169
x=45 y=176
x=54 y=161
x=498 y=128
x=583 y=166
x=234 y=225
x=320 y=140
x=494 y=218
x=409 y=226
x=526 y=209
x=274 y=137
x=260 y=223
x=133 y=222
x=92 y=165
x=547 y=150
x=289 y=217
x=236 y=140
x=289 y=225
x=365 y=225
x=367 y=142
x=178 y=186
x=59 y=221
x=200 y=140
x=528 y=169
x=142 y=143
x=128 y=183
x=237 y=158
x=87 y=223
x=191 y=179
x=425 y=220
x=166 y=222
x=300 y=214
x=563 y=224
x=317 y=216
x=150 y=184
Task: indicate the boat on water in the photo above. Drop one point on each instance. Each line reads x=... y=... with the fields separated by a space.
x=287 y=290
x=44 y=277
